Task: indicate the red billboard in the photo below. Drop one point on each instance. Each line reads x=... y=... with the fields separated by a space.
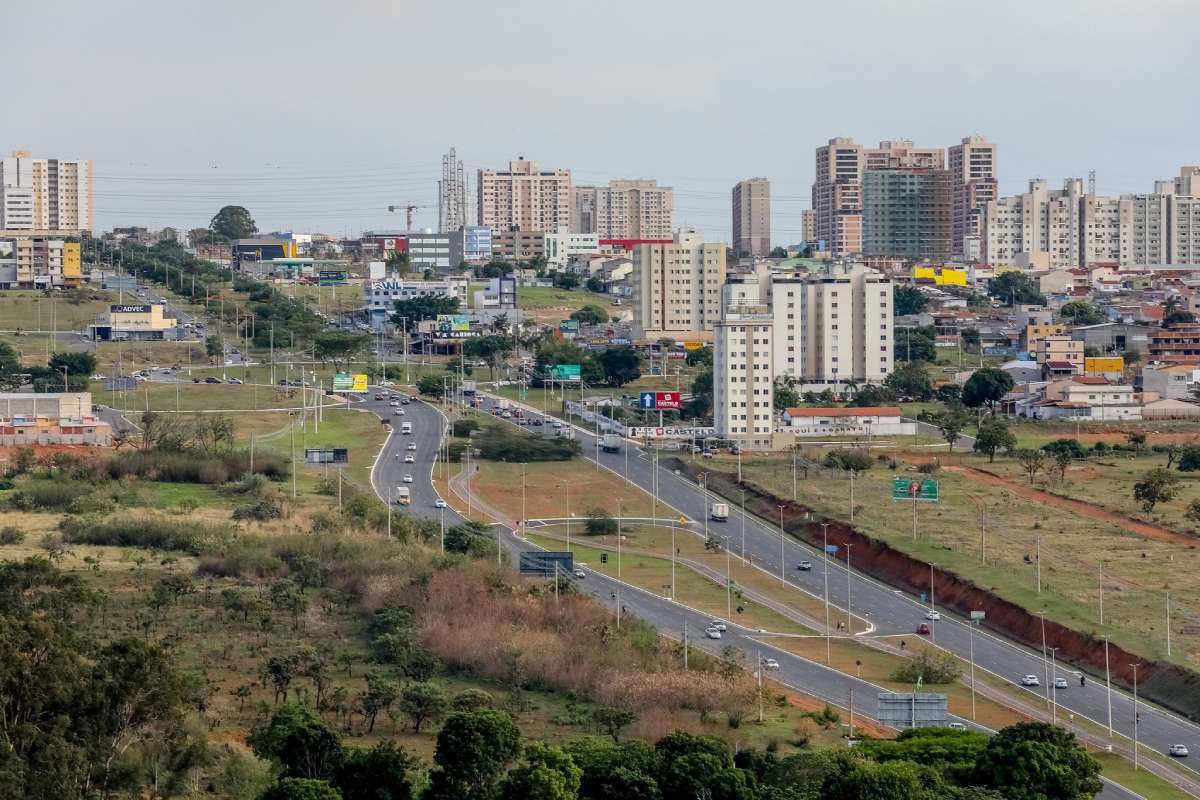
x=667 y=400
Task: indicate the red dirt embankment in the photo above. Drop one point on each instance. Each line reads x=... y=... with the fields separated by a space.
x=1167 y=684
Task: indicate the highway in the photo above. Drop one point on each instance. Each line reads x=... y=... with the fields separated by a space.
x=807 y=677
x=895 y=613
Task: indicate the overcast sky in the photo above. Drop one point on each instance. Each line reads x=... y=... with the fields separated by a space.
x=316 y=115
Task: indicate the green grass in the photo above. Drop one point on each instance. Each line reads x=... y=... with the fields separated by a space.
x=1148 y=785
x=31 y=311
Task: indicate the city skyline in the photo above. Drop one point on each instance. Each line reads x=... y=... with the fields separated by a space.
x=350 y=151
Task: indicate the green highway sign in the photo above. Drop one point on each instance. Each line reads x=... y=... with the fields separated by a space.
x=565 y=372
x=343 y=381
x=907 y=489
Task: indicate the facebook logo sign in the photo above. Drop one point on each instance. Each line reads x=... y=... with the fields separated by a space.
x=647 y=400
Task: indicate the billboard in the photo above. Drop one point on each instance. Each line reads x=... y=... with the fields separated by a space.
x=453 y=324
x=326 y=455
x=542 y=562
x=345 y=382
x=906 y=489
x=565 y=372
x=663 y=401
x=1096 y=365
x=671 y=432
x=128 y=309
x=360 y=383
x=901 y=710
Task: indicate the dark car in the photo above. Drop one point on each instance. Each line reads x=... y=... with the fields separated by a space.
x=211 y=379
x=923 y=629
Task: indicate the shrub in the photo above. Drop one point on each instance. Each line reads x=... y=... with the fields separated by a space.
x=11 y=534
x=600 y=523
x=47 y=495
x=933 y=666
x=929 y=468
x=463 y=427
x=1071 y=447
x=185 y=536
x=1189 y=458
x=501 y=445
x=472 y=700
x=849 y=460
x=262 y=510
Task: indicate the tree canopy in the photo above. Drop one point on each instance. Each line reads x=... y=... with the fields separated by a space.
x=986 y=387
x=233 y=222
x=422 y=307
x=1016 y=287
x=908 y=300
x=591 y=314
x=915 y=344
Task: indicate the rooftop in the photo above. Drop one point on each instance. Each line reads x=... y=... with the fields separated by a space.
x=833 y=411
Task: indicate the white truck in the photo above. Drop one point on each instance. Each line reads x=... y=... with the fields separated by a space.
x=720 y=512
x=610 y=443
x=403 y=495
x=406 y=427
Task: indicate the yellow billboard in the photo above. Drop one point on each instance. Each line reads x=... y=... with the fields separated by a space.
x=1103 y=366
x=360 y=383
x=692 y=345
x=71 y=261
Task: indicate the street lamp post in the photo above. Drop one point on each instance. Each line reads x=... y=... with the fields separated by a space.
x=743 y=526
x=1053 y=686
x=849 y=616
x=1045 y=661
x=1135 y=716
x=1108 y=688
x=825 y=556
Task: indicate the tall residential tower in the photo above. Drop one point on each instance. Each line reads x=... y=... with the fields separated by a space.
x=752 y=217
x=452 y=195
x=45 y=194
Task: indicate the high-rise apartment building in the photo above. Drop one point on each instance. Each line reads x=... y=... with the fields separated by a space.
x=624 y=209
x=808 y=226
x=677 y=286
x=452 y=194
x=45 y=194
x=907 y=213
x=837 y=191
x=752 y=217
x=973 y=164
x=743 y=366
x=524 y=198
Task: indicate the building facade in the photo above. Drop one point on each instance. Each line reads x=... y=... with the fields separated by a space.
x=808 y=226
x=136 y=322
x=518 y=245
x=743 y=368
x=973 y=163
x=524 y=198
x=452 y=194
x=624 y=209
x=560 y=248
x=39 y=262
x=907 y=213
x=677 y=286
x=752 y=217
x=380 y=296
x=45 y=194
x=470 y=244
x=428 y=250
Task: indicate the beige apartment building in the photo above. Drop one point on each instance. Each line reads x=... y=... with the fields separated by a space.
x=45 y=194
x=677 y=286
x=624 y=209
x=743 y=368
x=524 y=198
x=808 y=226
x=975 y=176
x=752 y=217
x=39 y=261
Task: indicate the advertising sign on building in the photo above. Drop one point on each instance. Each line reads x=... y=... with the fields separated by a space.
x=906 y=489
x=454 y=325
x=565 y=372
x=126 y=309
x=661 y=401
x=671 y=432
x=1103 y=365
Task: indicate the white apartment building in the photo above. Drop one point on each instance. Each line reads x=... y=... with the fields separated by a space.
x=381 y=296
x=524 y=198
x=560 y=248
x=45 y=194
x=677 y=286
x=743 y=367
x=973 y=164
x=625 y=209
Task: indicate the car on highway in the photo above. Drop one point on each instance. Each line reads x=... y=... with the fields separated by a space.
x=1178 y=750
x=380 y=396
x=1030 y=680
x=408 y=459
x=923 y=629
x=933 y=615
x=408 y=477
x=1060 y=682
x=399 y=412
x=405 y=401
x=804 y=566
x=439 y=503
x=238 y=381
x=394 y=404
x=712 y=633
x=579 y=573
x=770 y=663
x=957 y=726
x=212 y=379
x=718 y=624
x=412 y=445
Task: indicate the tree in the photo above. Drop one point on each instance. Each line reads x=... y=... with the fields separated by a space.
x=599 y=523
x=422 y=702
x=700 y=357
x=380 y=694
x=778 y=252
x=950 y=424
x=297 y=740
x=870 y=396
x=591 y=314
x=970 y=339
x=473 y=748
x=214 y=347
x=1081 y=312
x=613 y=720
x=547 y=774
x=1137 y=440
x=400 y=262
x=621 y=365
x=1032 y=461
x=422 y=307
x=1015 y=287
x=1189 y=458
x=489 y=349
x=459 y=366
x=301 y=789
x=1156 y=486
x=565 y=280
x=994 y=435
x=915 y=344
x=1035 y=761
x=784 y=396
x=594 y=284
x=848 y=460
x=949 y=393
x=986 y=386
x=910 y=379
x=431 y=385
x=232 y=222
x=860 y=779
x=908 y=300
x=383 y=772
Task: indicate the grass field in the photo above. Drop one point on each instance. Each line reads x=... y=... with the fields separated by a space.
x=544 y=304
x=31 y=311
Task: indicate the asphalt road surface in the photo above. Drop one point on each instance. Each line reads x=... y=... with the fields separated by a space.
x=894 y=613
x=672 y=619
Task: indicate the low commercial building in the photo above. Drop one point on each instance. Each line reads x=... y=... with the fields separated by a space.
x=49 y=419
x=1114 y=337
x=500 y=293
x=428 y=250
x=1178 y=344
x=1170 y=381
x=138 y=322
x=1060 y=348
x=247 y=253
x=380 y=296
x=1088 y=398
x=834 y=421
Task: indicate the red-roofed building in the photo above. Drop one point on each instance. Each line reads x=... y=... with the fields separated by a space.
x=834 y=421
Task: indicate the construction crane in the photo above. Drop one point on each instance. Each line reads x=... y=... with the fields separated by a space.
x=408 y=209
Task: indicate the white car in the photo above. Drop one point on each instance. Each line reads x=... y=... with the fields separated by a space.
x=439 y=503
x=1060 y=683
x=237 y=381
x=412 y=445
x=1178 y=750
x=718 y=625
x=1030 y=680
x=399 y=412
x=933 y=615
x=770 y=663
x=408 y=477
x=579 y=573
x=712 y=633
x=408 y=459
x=394 y=404
x=957 y=726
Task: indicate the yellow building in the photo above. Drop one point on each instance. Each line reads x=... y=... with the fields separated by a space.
x=1036 y=332
x=941 y=276
x=72 y=265
x=146 y=321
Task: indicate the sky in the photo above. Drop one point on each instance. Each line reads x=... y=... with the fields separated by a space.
x=316 y=115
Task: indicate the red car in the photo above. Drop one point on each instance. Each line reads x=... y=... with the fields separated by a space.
x=923 y=629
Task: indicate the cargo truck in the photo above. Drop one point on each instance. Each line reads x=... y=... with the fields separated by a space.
x=720 y=512
x=406 y=427
x=610 y=443
x=403 y=495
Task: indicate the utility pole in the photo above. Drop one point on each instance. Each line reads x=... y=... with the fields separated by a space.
x=849 y=616
x=1108 y=688
x=825 y=556
x=1136 y=718
x=1038 y=558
